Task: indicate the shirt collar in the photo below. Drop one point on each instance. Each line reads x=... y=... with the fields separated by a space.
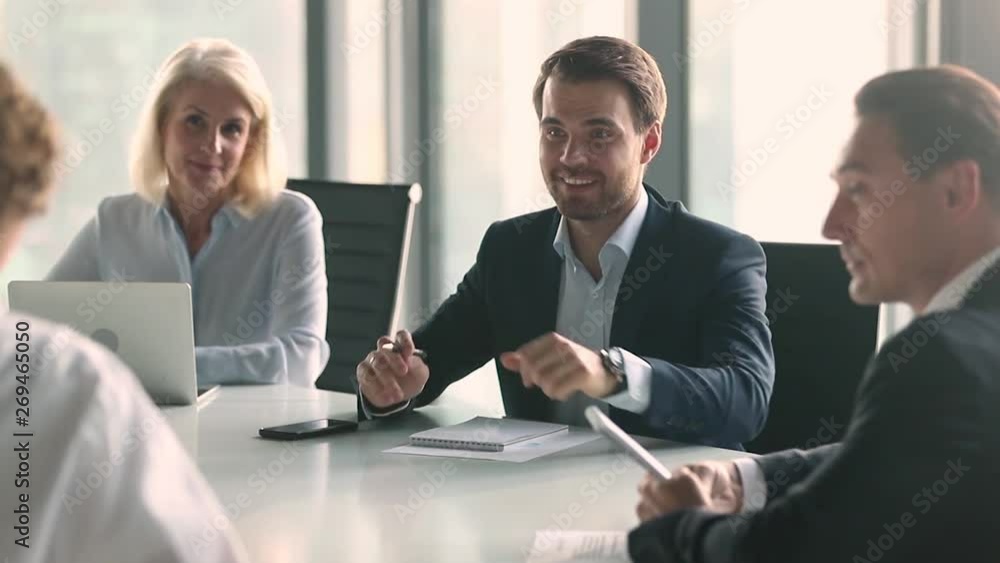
x=227 y=213
x=956 y=291
x=231 y=214
x=628 y=232
x=623 y=238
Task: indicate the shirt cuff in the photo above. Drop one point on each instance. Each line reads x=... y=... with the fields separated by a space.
x=639 y=375
x=371 y=411
x=754 y=485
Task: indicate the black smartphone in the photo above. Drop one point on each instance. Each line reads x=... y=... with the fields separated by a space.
x=311 y=429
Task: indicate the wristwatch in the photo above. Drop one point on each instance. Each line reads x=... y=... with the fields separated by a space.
x=614 y=362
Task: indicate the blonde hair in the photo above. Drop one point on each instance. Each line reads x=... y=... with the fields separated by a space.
x=262 y=174
x=29 y=147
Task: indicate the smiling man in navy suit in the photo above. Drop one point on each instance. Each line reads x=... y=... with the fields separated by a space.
x=615 y=297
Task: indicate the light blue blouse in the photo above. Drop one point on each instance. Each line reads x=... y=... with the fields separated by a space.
x=258 y=285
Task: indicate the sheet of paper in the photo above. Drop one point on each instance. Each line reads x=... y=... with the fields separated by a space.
x=554 y=546
x=517 y=453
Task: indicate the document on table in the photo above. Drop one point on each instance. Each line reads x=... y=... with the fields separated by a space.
x=554 y=546
x=516 y=453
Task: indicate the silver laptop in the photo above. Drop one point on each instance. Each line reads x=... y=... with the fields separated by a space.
x=148 y=325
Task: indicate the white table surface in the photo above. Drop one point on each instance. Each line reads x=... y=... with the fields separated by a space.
x=338 y=498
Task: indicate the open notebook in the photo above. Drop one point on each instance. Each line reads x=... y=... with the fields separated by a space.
x=484 y=434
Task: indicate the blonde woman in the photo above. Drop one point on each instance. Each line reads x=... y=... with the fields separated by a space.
x=210 y=209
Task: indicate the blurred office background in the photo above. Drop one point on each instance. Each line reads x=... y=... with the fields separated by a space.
x=439 y=92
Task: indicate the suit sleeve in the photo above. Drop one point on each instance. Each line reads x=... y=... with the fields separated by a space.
x=724 y=398
x=458 y=338
x=782 y=470
x=767 y=477
x=910 y=424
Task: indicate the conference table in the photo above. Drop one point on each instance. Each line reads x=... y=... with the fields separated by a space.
x=340 y=498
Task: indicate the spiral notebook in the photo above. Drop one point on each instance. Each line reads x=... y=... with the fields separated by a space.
x=484 y=434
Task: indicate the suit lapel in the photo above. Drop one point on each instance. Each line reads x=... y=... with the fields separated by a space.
x=541 y=299
x=546 y=278
x=647 y=266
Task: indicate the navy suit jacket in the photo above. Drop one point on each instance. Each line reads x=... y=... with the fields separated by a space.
x=914 y=480
x=691 y=303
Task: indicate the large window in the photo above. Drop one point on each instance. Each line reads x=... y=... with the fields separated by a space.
x=771 y=101
x=772 y=84
x=92 y=61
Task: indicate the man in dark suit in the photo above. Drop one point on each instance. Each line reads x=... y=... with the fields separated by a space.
x=616 y=297
x=915 y=478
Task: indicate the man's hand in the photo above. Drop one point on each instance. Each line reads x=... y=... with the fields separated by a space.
x=560 y=367
x=386 y=378
x=711 y=485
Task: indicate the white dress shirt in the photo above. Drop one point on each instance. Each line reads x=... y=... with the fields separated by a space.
x=106 y=479
x=258 y=285
x=948 y=298
x=586 y=311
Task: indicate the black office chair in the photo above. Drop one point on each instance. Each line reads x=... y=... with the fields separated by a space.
x=822 y=341
x=367 y=230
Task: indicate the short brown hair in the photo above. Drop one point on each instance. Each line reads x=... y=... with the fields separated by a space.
x=603 y=58
x=924 y=104
x=28 y=148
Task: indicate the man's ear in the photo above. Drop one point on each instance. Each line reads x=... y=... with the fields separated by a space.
x=961 y=182
x=651 y=142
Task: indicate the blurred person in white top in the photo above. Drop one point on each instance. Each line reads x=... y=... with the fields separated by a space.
x=90 y=471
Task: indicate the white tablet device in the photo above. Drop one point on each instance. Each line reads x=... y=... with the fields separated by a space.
x=604 y=425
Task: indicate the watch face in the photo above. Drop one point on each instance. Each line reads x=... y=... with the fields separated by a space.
x=618 y=358
x=616 y=361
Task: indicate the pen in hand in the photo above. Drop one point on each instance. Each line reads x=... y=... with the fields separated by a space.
x=393 y=347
